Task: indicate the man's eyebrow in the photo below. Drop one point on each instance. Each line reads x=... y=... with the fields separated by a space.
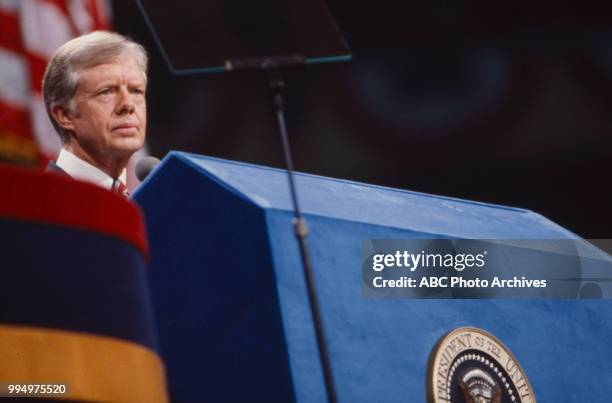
x=102 y=84
x=133 y=79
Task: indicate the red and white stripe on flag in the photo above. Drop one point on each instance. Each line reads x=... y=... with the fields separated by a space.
x=30 y=32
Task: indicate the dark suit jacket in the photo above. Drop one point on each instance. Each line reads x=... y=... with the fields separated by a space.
x=54 y=168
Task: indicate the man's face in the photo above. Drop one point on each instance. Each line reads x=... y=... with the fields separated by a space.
x=109 y=118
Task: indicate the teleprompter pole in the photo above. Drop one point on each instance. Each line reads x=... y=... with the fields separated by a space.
x=272 y=66
x=301 y=232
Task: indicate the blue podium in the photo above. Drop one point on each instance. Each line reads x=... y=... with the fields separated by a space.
x=231 y=303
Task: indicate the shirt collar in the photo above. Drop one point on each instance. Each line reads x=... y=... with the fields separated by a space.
x=84 y=171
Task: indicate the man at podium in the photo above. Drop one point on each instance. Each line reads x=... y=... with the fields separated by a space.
x=94 y=92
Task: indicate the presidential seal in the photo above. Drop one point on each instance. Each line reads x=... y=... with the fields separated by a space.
x=469 y=365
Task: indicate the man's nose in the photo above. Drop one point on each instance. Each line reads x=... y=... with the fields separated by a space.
x=125 y=103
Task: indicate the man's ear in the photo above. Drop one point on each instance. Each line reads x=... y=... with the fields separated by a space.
x=63 y=117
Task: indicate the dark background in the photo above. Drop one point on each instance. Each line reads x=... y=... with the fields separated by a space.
x=500 y=102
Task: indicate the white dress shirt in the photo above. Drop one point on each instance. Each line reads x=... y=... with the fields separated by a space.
x=84 y=171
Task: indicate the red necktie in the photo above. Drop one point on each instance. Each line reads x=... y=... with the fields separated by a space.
x=121 y=189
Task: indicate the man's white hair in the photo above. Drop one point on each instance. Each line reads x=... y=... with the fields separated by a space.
x=63 y=71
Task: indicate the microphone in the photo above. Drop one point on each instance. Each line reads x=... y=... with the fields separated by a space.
x=145 y=166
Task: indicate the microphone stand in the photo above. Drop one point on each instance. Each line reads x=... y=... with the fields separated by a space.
x=272 y=67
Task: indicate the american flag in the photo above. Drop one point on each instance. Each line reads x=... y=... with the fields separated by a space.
x=30 y=32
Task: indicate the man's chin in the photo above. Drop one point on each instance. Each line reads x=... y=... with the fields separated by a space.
x=126 y=148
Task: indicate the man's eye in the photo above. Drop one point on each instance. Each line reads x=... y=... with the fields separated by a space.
x=137 y=91
x=105 y=91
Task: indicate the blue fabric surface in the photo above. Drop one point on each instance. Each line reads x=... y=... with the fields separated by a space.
x=393 y=208
x=231 y=301
x=380 y=347
x=213 y=290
